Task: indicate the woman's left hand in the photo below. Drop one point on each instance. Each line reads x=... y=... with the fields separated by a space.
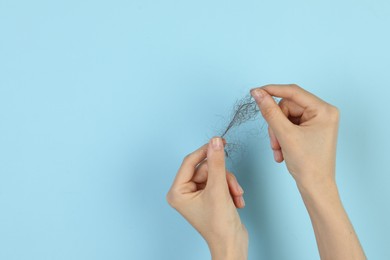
x=207 y=195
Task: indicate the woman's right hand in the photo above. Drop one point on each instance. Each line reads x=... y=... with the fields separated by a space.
x=303 y=132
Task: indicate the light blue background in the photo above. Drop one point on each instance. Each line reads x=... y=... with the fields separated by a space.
x=100 y=100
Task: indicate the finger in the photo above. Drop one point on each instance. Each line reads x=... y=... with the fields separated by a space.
x=293 y=111
x=293 y=92
x=278 y=156
x=271 y=111
x=290 y=108
x=200 y=186
x=216 y=163
x=234 y=187
x=274 y=142
x=239 y=201
x=200 y=179
x=277 y=151
x=200 y=175
x=187 y=168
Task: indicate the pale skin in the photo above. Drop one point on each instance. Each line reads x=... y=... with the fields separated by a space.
x=303 y=133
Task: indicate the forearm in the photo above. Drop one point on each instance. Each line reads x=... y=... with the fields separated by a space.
x=336 y=238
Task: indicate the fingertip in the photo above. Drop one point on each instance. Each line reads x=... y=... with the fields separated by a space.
x=242 y=202
x=271 y=112
x=236 y=201
x=278 y=156
x=259 y=94
x=216 y=143
x=252 y=90
x=239 y=201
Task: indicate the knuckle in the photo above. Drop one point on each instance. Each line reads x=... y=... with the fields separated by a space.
x=218 y=165
x=216 y=158
x=187 y=158
x=171 y=199
x=295 y=86
x=295 y=91
x=333 y=113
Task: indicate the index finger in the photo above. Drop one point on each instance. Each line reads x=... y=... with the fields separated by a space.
x=293 y=92
x=187 y=168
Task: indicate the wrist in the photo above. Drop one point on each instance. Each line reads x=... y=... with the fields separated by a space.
x=230 y=253
x=320 y=195
x=236 y=249
x=317 y=184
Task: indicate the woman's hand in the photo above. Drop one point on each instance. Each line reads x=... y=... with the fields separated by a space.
x=303 y=132
x=207 y=196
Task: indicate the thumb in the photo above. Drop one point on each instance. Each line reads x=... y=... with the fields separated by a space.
x=216 y=163
x=271 y=112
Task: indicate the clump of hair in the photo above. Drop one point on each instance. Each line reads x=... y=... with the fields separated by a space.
x=245 y=109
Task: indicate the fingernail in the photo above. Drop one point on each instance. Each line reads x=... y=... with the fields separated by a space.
x=258 y=94
x=216 y=143
x=242 y=201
